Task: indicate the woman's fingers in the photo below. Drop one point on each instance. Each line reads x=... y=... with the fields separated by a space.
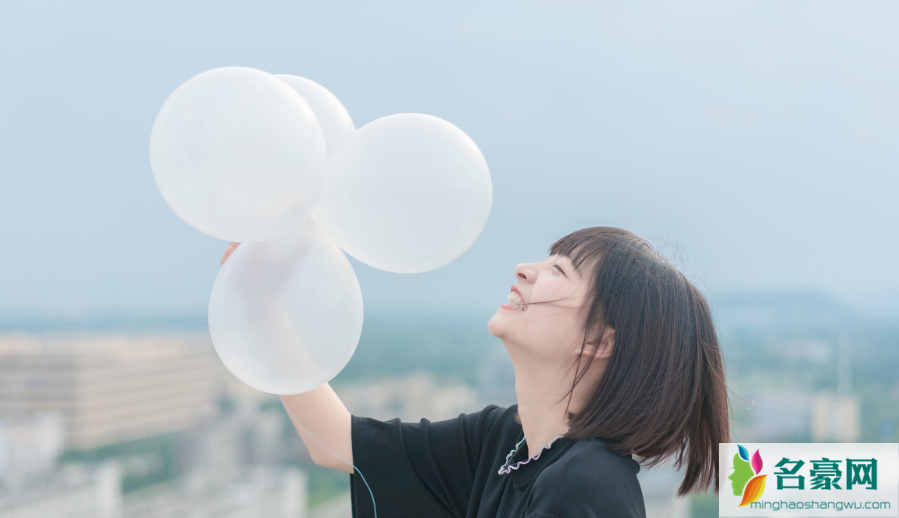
x=231 y=247
x=227 y=253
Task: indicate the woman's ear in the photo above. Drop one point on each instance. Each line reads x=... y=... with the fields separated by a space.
x=605 y=345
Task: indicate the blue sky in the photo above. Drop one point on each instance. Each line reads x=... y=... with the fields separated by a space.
x=756 y=143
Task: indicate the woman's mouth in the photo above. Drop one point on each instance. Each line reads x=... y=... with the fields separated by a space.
x=515 y=302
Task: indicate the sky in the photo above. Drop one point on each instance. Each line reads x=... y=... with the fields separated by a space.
x=754 y=143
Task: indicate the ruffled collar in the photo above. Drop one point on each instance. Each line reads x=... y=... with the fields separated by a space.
x=507 y=467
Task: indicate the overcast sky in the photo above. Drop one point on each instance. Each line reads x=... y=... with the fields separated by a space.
x=756 y=143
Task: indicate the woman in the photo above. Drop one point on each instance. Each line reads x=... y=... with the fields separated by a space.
x=615 y=356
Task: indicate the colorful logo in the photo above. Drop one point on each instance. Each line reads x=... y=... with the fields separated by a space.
x=745 y=479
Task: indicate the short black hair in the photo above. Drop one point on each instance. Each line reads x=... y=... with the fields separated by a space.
x=663 y=392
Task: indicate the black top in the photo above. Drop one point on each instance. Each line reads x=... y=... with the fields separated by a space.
x=450 y=469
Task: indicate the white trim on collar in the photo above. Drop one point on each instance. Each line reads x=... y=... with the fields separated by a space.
x=506 y=468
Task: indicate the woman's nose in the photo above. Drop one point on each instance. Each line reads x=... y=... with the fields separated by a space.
x=524 y=271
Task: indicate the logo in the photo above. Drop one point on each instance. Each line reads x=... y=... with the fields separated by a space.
x=808 y=479
x=746 y=480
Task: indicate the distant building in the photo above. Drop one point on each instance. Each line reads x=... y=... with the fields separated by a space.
x=110 y=389
x=801 y=416
x=659 y=487
x=30 y=445
x=410 y=398
x=234 y=442
x=836 y=418
x=95 y=491
x=86 y=392
x=74 y=492
x=269 y=492
x=780 y=416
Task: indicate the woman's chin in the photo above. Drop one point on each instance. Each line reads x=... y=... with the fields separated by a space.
x=494 y=325
x=490 y=325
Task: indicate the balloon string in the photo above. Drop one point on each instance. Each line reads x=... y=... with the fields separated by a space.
x=297 y=422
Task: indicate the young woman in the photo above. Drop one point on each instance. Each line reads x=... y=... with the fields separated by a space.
x=615 y=356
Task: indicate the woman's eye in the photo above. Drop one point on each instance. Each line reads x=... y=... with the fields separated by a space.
x=557 y=267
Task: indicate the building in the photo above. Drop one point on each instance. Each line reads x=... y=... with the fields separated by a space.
x=111 y=389
x=269 y=492
x=30 y=445
x=836 y=418
x=659 y=486
x=86 y=392
x=802 y=417
x=780 y=417
x=410 y=398
x=75 y=491
x=95 y=491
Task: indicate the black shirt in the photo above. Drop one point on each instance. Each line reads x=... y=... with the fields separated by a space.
x=450 y=469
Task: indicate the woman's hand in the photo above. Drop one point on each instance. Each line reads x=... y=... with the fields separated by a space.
x=231 y=248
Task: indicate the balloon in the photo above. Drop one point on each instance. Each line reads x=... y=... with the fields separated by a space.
x=406 y=193
x=238 y=154
x=336 y=122
x=285 y=315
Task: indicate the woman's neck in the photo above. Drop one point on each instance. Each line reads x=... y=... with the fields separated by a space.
x=541 y=407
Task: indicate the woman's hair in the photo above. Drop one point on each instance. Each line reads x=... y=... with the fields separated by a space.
x=663 y=391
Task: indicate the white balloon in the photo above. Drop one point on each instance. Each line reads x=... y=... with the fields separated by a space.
x=285 y=315
x=406 y=193
x=238 y=154
x=336 y=122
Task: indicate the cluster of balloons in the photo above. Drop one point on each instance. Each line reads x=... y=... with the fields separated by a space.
x=276 y=163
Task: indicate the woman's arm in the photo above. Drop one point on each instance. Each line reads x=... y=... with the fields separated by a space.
x=323 y=415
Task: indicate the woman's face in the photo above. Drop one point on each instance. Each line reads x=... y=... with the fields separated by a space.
x=552 y=331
